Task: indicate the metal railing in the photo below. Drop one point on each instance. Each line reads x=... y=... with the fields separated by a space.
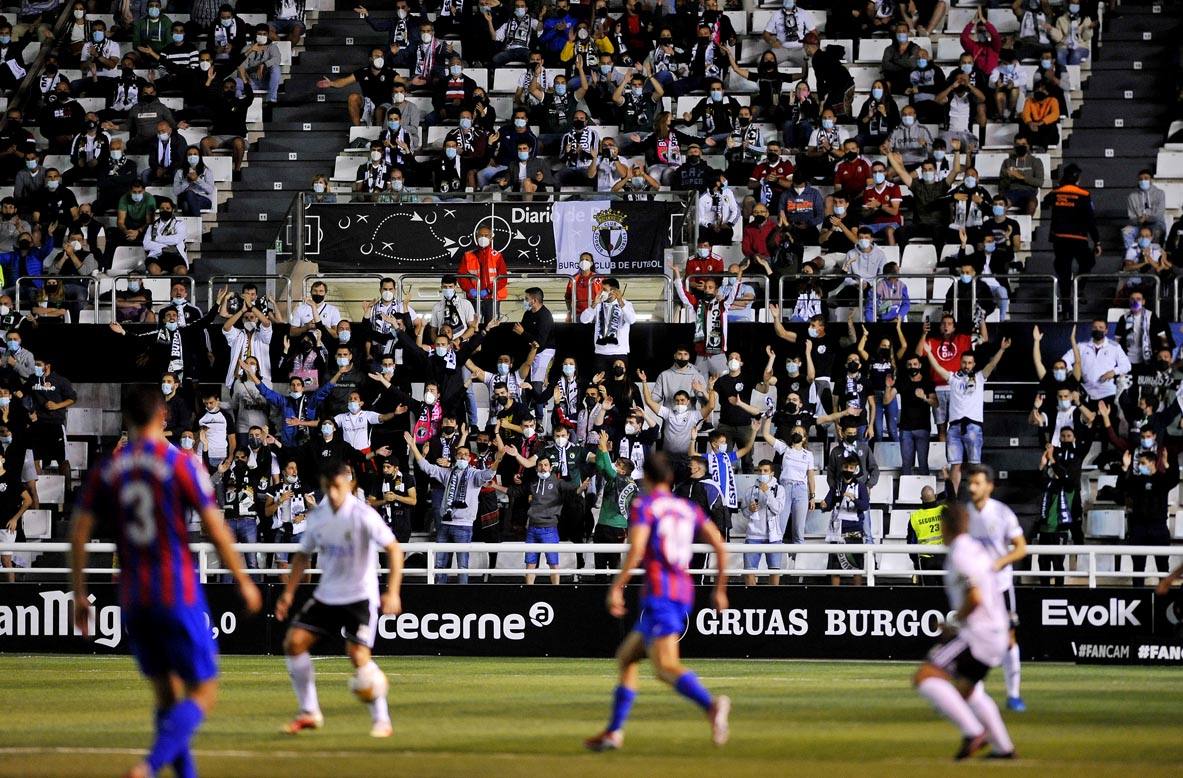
x=115 y=287
x=406 y=285
x=269 y=283
x=208 y=565
x=761 y=281
x=935 y=299
x=787 y=303
x=91 y=284
x=1152 y=299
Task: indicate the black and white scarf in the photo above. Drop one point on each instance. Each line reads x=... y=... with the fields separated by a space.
x=609 y=319
x=1130 y=330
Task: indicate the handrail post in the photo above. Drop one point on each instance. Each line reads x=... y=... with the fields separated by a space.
x=869 y=561
x=1076 y=298
x=298 y=227
x=1092 y=557
x=1055 y=299
x=430 y=564
x=202 y=563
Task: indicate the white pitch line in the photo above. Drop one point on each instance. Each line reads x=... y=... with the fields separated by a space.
x=242 y=754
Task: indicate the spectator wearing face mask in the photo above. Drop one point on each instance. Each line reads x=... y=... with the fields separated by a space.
x=1061 y=517
x=1039 y=121
x=483 y=275
x=1147 y=488
x=878 y=116
x=848 y=503
x=1051 y=415
x=261 y=63
x=1145 y=207
x=193 y=184
x=613 y=317
x=114 y=178
x=51 y=395
x=763 y=507
x=1073 y=35
x=1102 y=360
x=911 y=139
x=179 y=406
x=89 y=152
x=299 y=408
x=1141 y=333
x=164 y=243
x=584 y=287
x=1021 y=177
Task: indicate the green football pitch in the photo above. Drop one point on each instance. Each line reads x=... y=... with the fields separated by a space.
x=89 y=716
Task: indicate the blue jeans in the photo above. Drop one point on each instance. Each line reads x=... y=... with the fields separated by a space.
x=914 y=447
x=792 y=518
x=775 y=561
x=889 y=414
x=542 y=535
x=452 y=533
x=964 y=447
x=1069 y=56
x=246 y=531
x=273 y=78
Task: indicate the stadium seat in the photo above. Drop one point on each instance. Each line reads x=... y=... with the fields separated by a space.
x=911 y=486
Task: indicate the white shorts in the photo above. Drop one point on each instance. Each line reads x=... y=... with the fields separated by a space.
x=7 y=537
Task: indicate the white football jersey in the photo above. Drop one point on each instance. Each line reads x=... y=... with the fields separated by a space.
x=995 y=526
x=347 y=543
x=987 y=629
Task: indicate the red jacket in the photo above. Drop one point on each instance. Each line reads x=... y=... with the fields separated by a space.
x=762 y=240
x=489 y=266
x=586 y=289
x=985 y=54
x=696 y=266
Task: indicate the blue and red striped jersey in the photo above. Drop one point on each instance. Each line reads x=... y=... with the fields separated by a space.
x=673 y=524
x=144 y=493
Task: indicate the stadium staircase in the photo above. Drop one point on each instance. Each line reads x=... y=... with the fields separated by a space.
x=1118 y=130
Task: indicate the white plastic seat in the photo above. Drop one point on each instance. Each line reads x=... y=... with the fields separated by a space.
x=910 y=487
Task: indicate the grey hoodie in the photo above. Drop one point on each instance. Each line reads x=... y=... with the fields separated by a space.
x=676 y=379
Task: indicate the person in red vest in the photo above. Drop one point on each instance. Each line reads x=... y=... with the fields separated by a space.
x=487 y=264
x=583 y=287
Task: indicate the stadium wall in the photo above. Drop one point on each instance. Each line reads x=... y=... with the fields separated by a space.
x=570 y=621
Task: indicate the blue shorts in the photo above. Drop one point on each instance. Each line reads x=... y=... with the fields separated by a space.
x=660 y=617
x=542 y=535
x=173 y=640
x=963 y=447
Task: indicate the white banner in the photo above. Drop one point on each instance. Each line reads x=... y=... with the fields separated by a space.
x=576 y=226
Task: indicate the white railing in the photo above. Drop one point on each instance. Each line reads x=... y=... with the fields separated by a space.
x=208 y=564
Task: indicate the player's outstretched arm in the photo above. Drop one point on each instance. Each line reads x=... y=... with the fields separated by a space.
x=638 y=537
x=80 y=534
x=715 y=538
x=217 y=531
x=392 y=603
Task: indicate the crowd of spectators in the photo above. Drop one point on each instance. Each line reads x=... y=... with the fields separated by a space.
x=783 y=158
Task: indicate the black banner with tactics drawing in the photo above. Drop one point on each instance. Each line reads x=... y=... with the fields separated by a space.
x=509 y=620
x=432 y=237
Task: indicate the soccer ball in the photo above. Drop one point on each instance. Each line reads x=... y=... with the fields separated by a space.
x=368 y=683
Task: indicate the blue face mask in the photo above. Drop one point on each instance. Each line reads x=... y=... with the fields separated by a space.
x=5 y=40
x=999 y=210
x=523 y=155
x=827 y=124
x=879 y=177
x=966 y=278
x=921 y=63
x=31 y=164
x=450 y=152
x=465 y=123
x=1142 y=469
x=1144 y=242
x=171 y=326
x=877 y=93
x=967 y=68
x=901 y=37
x=971 y=182
x=178 y=37
x=560 y=89
x=394 y=124
x=1144 y=184
x=153 y=13
x=988 y=248
x=97 y=36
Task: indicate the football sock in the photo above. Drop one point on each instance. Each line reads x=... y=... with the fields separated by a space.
x=1010 y=670
x=950 y=704
x=183 y=765
x=689 y=687
x=176 y=727
x=622 y=703
x=986 y=711
x=379 y=709
x=304 y=682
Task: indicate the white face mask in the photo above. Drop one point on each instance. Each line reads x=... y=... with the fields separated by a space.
x=586 y=265
x=734 y=365
x=441 y=351
x=116 y=154
x=205 y=64
x=630 y=429
x=378 y=63
x=483 y=242
x=429 y=398
x=261 y=39
x=387 y=295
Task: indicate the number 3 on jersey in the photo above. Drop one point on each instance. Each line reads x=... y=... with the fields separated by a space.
x=139 y=518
